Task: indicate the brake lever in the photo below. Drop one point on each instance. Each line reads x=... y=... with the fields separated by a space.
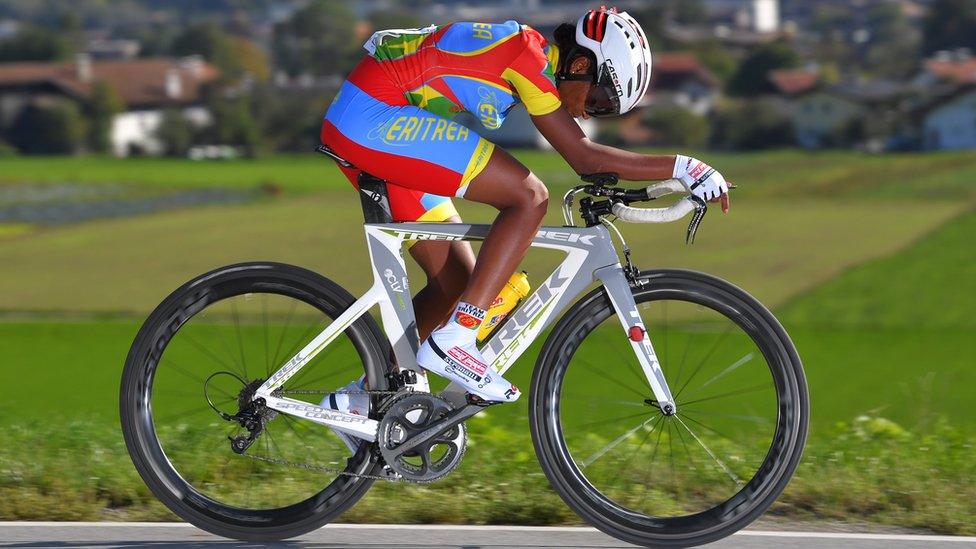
x=701 y=208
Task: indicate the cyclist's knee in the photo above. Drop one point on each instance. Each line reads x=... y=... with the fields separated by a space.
x=533 y=195
x=539 y=194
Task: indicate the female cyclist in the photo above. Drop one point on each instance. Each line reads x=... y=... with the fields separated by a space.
x=392 y=118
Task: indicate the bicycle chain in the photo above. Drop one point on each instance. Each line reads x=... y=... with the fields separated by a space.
x=323 y=468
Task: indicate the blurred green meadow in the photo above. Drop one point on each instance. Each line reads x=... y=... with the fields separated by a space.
x=867 y=260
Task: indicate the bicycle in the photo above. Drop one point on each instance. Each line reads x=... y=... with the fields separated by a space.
x=623 y=433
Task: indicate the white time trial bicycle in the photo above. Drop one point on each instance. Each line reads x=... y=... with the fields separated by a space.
x=667 y=407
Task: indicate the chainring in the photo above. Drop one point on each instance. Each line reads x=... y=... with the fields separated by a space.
x=408 y=416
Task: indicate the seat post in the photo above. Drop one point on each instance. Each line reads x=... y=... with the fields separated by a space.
x=375 y=199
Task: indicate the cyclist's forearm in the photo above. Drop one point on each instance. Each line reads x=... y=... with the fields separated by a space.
x=629 y=165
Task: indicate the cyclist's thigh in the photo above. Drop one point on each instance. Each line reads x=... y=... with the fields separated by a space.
x=403 y=144
x=506 y=182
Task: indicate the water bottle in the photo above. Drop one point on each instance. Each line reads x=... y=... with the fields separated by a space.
x=515 y=290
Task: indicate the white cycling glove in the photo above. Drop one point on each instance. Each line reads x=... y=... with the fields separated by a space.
x=699 y=178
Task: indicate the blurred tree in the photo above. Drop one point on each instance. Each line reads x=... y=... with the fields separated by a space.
x=676 y=126
x=289 y=120
x=234 y=56
x=893 y=47
x=686 y=12
x=235 y=125
x=175 y=133
x=251 y=58
x=70 y=27
x=751 y=77
x=395 y=19
x=319 y=39
x=752 y=124
x=52 y=129
x=829 y=23
x=716 y=58
x=7 y=150
x=101 y=109
x=950 y=24
x=653 y=19
x=35 y=44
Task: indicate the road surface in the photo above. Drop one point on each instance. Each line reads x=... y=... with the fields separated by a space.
x=174 y=535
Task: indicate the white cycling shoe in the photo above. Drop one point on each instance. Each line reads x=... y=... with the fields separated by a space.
x=350 y=400
x=465 y=365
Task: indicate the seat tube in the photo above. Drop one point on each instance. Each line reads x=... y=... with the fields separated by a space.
x=619 y=292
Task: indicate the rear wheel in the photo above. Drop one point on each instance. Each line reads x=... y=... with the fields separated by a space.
x=652 y=478
x=205 y=350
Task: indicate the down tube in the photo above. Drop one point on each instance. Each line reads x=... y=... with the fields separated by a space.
x=619 y=292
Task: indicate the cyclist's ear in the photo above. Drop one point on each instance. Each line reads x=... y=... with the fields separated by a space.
x=580 y=65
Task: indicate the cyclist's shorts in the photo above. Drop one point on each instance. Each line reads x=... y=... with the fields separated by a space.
x=423 y=157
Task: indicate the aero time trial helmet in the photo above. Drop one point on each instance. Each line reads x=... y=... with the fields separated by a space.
x=623 y=60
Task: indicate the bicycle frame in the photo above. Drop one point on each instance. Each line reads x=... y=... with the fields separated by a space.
x=590 y=256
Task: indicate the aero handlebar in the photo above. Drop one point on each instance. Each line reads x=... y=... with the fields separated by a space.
x=673 y=212
x=619 y=200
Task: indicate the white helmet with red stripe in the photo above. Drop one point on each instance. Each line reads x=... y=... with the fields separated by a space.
x=623 y=59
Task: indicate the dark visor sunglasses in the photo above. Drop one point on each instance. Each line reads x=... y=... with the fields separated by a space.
x=601 y=99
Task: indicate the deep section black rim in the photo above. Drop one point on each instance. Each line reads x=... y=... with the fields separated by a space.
x=197 y=299
x=777 y=463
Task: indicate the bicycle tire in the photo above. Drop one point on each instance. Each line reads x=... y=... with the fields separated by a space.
x=712 y=524
x=140 y=436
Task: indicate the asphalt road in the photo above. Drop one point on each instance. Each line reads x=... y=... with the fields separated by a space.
x=173 y=535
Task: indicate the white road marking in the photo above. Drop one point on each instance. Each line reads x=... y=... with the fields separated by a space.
x=497 y=528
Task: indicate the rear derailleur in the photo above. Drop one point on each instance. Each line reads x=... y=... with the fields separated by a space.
x=252 y=413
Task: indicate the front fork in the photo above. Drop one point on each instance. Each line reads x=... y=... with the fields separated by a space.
x=618 y=290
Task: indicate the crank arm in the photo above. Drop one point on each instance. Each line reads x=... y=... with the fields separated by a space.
x=451 y=420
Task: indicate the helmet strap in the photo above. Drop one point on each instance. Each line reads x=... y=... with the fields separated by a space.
x=576 y=77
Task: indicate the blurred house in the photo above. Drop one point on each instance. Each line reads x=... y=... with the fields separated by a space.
x=949 y=122
x=680 y=79
x=148 y=88
x=793 y=82
x=952 y=68
x=820 y=114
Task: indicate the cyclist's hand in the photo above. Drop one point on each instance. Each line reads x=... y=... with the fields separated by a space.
x=702 y=180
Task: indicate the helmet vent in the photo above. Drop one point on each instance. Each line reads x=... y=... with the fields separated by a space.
x=618 y=24
x=630 y=86
x=639 y=79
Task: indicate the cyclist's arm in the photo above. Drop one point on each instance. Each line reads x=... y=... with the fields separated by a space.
x=586 y=157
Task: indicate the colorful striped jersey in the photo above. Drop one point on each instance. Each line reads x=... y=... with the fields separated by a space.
x=481 y=68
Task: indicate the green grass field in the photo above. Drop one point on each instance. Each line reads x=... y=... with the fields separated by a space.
x=868 y=261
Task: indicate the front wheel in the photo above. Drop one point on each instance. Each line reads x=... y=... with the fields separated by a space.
x=652 y=478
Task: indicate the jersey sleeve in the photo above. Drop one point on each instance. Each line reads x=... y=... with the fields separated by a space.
x=531 y=74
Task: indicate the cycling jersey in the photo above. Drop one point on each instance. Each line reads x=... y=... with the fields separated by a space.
x=392 y=117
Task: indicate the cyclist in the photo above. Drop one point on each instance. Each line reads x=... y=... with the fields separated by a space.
x=392 y=118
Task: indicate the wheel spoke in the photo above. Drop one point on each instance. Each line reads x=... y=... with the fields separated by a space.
x=281 y=335
x=731 y=368
x=735 y=478
x=603 y=373
x=209 y=353
x=240 y=340
x=264 y=322
x=751 y=389
x=753 y=419
x=602 y=421
x=615 y=442
x=708 y=355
